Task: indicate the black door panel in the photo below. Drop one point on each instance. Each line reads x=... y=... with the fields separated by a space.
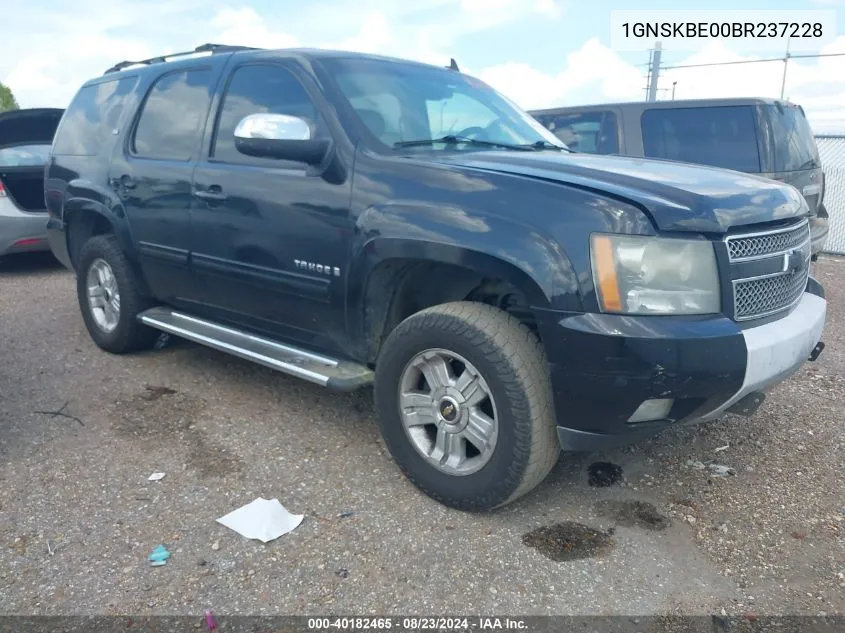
x=152 y=174
x=253 y=219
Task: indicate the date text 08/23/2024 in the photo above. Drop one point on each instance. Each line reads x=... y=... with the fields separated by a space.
x=481 y=623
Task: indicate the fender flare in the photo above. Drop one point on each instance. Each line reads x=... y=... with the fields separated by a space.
x=533 y=276
x=81 y=207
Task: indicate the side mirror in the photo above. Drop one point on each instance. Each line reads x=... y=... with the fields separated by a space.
x=279 y=136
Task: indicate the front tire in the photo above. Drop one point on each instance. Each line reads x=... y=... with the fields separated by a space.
x=109 y=296
x=464 y=404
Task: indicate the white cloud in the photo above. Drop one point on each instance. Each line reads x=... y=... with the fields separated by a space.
x=817 y=84
x=66 y=46
x=246 y=26
x=548 y=8
x=70 y=44
x=374 y=35
x=592 y=65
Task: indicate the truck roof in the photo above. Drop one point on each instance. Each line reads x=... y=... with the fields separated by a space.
x=676 y=103
x=246 y=51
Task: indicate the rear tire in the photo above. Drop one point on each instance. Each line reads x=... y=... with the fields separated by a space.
x=464 y=404
x=109 y=297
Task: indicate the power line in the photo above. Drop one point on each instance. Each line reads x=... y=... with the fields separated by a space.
x=754 y=61
x=655 y=67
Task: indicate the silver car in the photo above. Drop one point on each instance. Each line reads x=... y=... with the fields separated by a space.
x=25 y=140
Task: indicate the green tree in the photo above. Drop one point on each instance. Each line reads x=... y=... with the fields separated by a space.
x=7 y=99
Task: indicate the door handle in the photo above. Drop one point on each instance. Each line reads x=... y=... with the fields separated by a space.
x=213 y=192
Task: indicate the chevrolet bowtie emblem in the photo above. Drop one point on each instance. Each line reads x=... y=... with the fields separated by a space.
x=792 y=261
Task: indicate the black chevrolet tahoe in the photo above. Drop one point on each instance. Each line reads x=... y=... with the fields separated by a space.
x=355 y=220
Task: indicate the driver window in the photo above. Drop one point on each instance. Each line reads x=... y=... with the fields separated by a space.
x=255 y=88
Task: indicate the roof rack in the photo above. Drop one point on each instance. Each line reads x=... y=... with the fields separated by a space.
x=204 y=48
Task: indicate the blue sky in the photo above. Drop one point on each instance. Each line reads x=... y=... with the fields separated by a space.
x=539 y=52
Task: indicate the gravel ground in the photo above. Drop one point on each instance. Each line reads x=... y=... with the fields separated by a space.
x=78 y=516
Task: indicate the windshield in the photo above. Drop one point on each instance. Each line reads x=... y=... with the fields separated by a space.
x=402 y=103
x=24 y=156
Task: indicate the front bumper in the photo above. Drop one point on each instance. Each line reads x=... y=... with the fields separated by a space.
x=21 y=231
x=604 y=366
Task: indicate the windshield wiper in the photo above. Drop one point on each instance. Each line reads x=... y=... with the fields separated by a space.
x=539 y=145
x=451 y=139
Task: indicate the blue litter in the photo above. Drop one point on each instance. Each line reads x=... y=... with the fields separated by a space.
x=159 y=556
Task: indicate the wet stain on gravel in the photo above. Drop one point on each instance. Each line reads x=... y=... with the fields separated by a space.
x=568 y=541
x=162 y=414
x=156 y=392
x=603 y=474
x=637 y=514
x=209 y=459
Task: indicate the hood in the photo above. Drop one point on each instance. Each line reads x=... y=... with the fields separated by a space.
x=678 y=196
x=31 y=126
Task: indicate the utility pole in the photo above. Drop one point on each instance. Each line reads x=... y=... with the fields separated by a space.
x=674 y=83
x=655 y=71
x=785 y=64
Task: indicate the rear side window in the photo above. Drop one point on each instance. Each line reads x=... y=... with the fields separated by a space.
x=259 y=88
x=722 y=136
x=593 y=132
x=92 y=116
x=24 y=155
x=792 y=139
x=172 y=115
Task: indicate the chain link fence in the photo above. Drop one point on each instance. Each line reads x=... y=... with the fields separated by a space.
x=832 y=153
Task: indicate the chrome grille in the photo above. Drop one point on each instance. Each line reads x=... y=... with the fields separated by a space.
x=757 y=297
x=784 y=255
x=759 y=245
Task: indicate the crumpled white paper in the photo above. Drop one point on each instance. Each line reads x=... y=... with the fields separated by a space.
x=262 y=519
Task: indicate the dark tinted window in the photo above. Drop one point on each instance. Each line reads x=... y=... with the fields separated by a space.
x=172 y=115
x=259 y=88
x=92 y=115
x=594 y=132
x=792 y=139
x=723 y=136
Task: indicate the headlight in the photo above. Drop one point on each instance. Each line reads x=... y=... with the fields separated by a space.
x=654 y=275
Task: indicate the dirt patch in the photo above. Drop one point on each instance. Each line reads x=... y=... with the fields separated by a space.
x=632 y=514
x=19 y=544
x=155 y=413
x=567 y=541
x=603 y=474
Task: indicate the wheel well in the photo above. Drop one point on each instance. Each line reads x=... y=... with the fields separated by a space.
x=399 y=288
x=82 y=226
